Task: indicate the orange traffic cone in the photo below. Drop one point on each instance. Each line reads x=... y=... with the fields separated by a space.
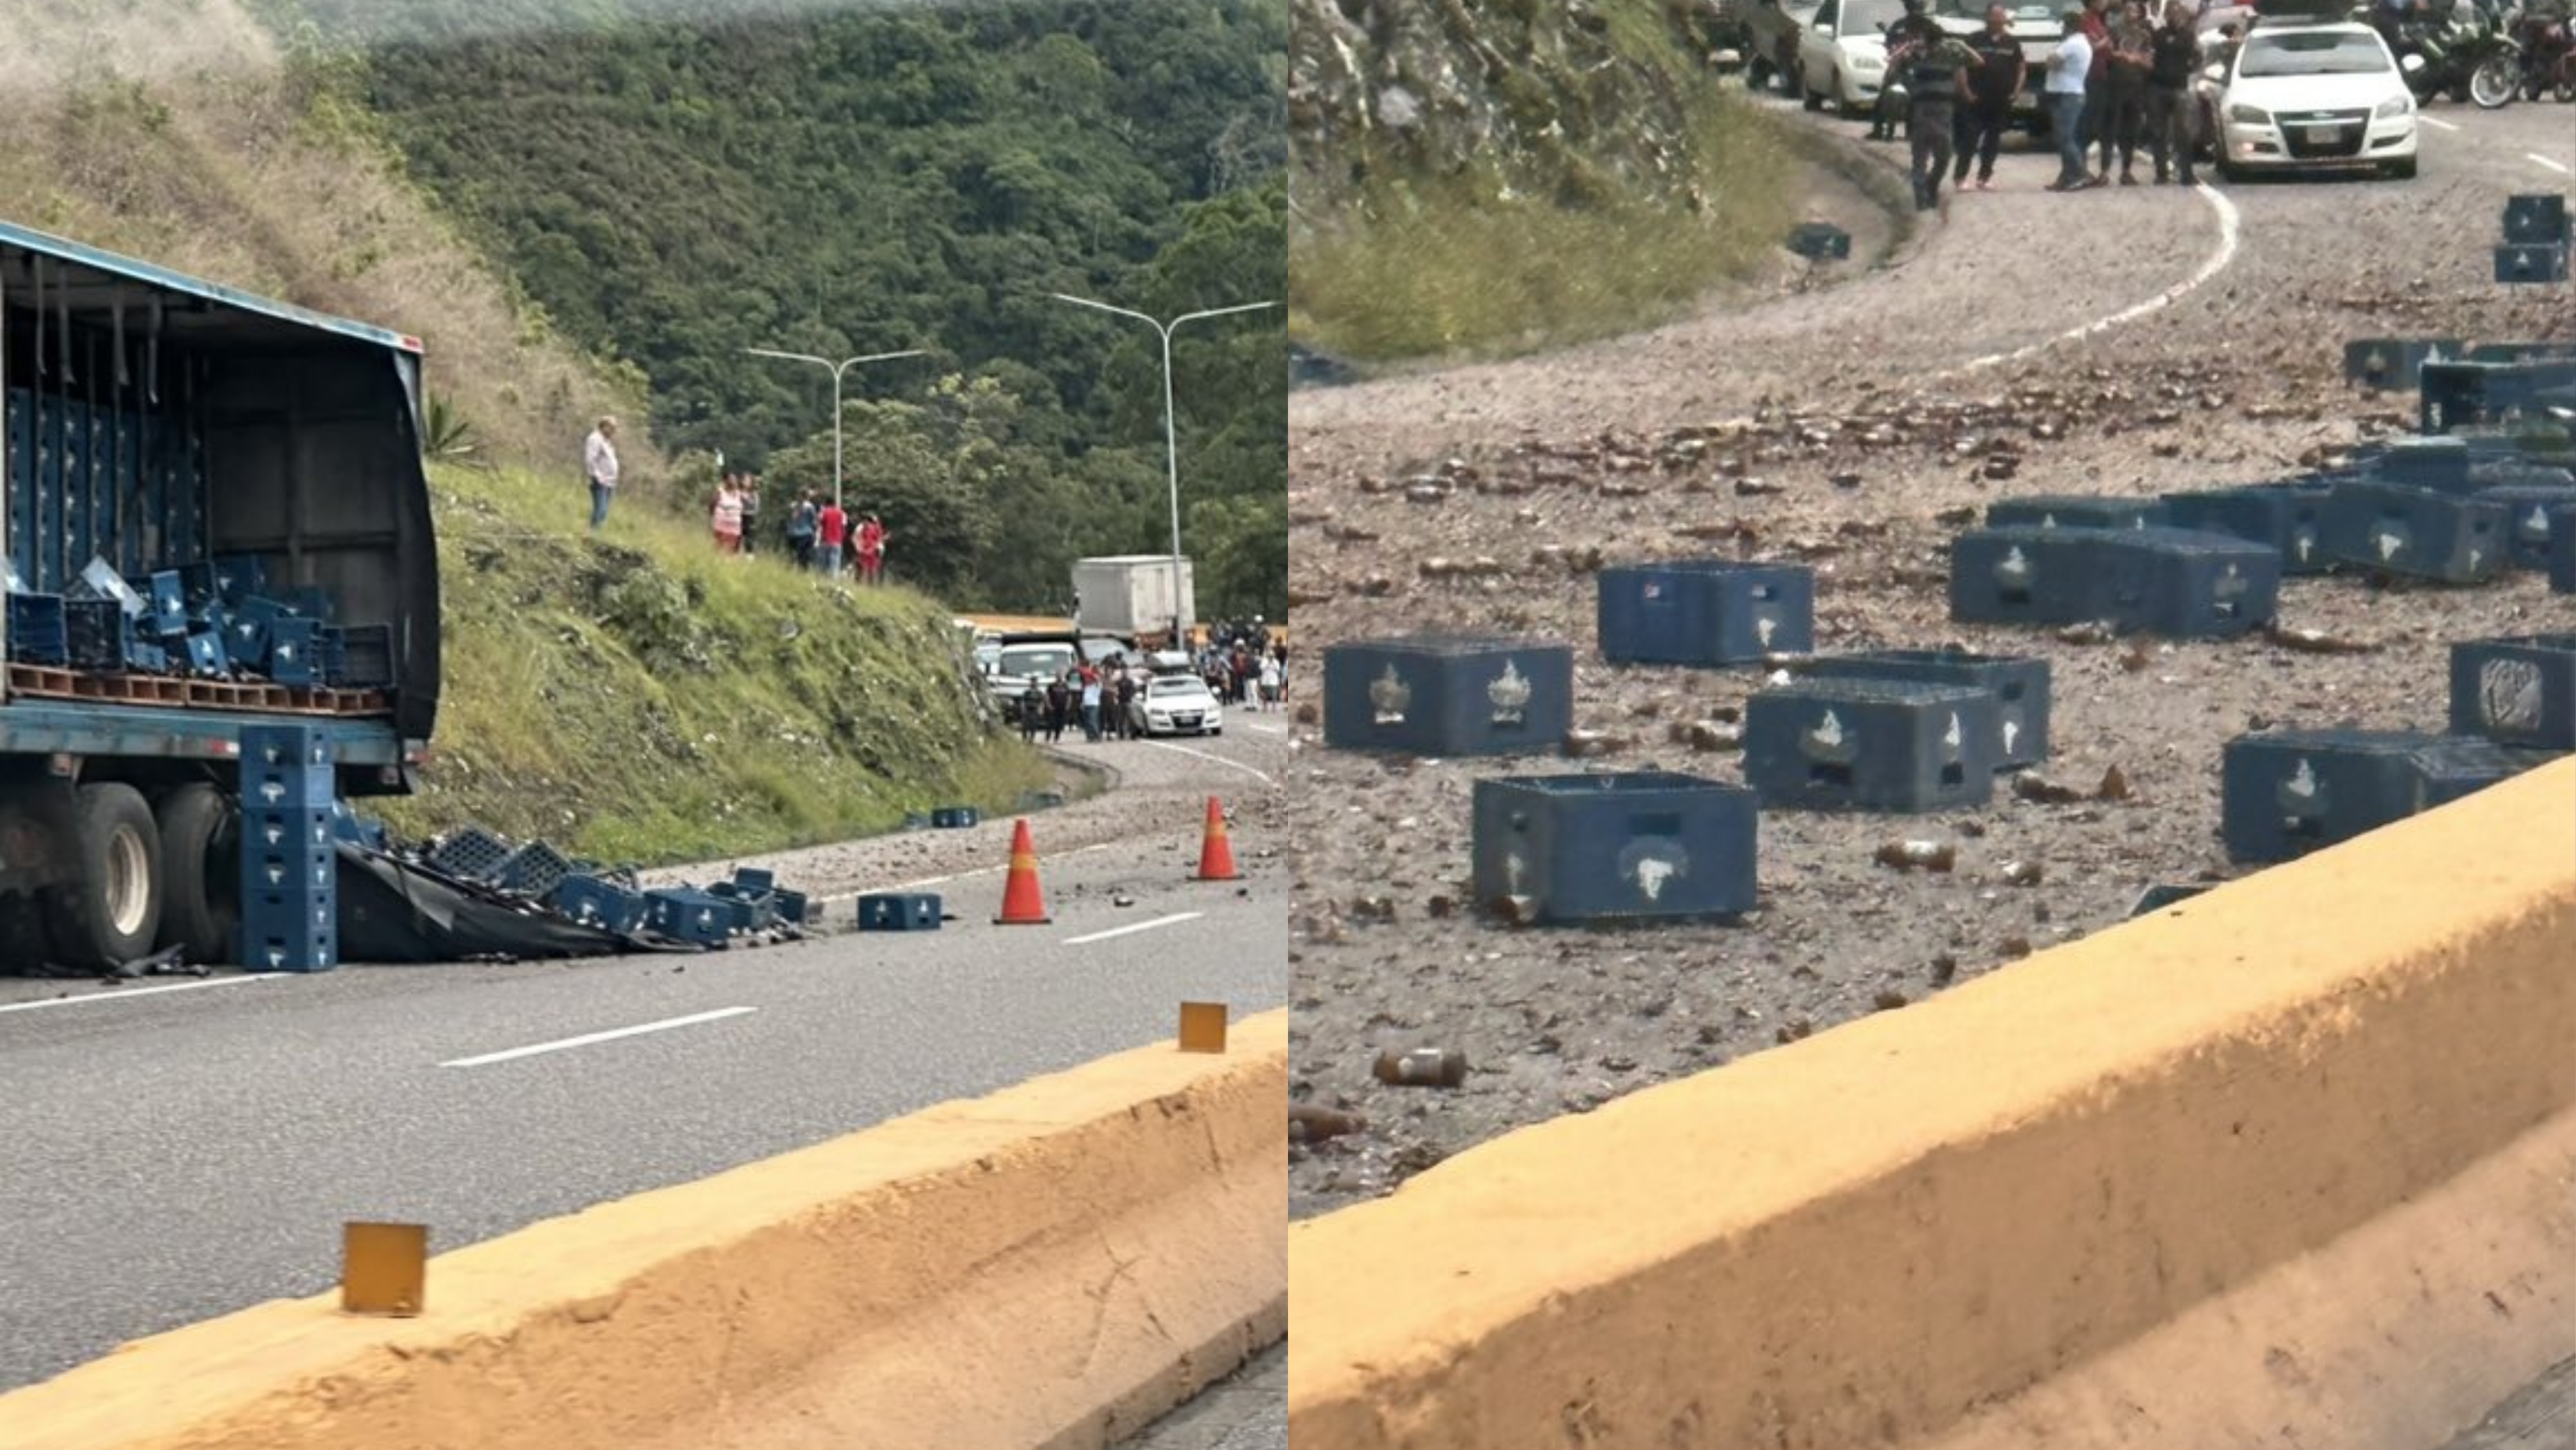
x=1022 y=904
x=1216 y=854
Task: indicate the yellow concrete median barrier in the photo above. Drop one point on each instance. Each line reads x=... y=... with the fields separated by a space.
x=1053 y=1265
x=2347 y=1081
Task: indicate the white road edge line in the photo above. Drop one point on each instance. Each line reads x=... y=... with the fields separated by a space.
x=2438 y=121
x=1259 y=775
x=1160 y=921
x=130 y=993
x=589 y=1038
x=2229 y=224
x=2561 y=167
x=1265 y=729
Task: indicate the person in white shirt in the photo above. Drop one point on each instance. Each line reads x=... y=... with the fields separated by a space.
x=599 y=460
x=2067 y=68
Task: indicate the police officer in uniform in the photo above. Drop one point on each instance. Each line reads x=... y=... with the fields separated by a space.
x=1906 y=38
x=1935 y=75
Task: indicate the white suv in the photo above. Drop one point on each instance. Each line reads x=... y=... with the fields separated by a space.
x=2322 y=96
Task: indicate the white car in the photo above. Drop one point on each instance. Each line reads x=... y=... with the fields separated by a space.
x=1181 y=705
x=2322 y=96
x=1842 y=56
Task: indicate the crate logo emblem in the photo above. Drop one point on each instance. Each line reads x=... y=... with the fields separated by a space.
x=2015 y=571
x=1510 y=696
x=1390 y=697
x=2302 y=794
x=2509 y=694
x=1654 y=866
x=1654 y=590
x=1828 y=741
x=2536 y=527
x=1764 y=626
x=2391 y=541
x=2231 y=585
x=1952 y=739
x=2012 y=729
x=2303 y=540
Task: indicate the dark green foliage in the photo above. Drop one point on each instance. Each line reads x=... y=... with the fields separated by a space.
x=673 y=183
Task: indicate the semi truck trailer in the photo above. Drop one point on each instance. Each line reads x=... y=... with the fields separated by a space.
x=163 y=427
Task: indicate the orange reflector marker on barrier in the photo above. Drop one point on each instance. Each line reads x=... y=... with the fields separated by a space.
x=384 y=1268
x=1022 y=903
x=1216 y=853
x=1203 y=1027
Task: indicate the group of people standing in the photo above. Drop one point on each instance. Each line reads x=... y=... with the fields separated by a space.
x=2120 y=77
x=2117 y=81
x=819 y=532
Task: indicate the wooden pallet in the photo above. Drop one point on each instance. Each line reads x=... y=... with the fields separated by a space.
x=257 y=697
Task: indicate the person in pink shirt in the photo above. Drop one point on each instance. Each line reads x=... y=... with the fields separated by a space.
x=872 y=543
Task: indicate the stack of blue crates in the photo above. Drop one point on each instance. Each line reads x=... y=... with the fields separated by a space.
x=290 y=900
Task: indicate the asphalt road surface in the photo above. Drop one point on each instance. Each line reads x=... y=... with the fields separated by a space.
x=1246 y=1411
x=178 y=1151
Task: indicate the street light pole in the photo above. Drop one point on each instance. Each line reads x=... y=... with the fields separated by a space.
x=1171 y=434
x=838 y=370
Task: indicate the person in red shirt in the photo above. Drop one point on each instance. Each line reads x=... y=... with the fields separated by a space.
x=872 y=542
x=831 y=528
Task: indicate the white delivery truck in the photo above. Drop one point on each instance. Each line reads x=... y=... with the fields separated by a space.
x=1133 y=595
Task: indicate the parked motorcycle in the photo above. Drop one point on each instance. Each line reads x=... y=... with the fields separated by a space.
x=2464 y=57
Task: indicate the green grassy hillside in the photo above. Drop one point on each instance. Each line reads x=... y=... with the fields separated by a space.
x=634 y=697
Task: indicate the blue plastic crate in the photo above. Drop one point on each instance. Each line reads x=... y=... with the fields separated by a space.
x=2019 y=685
x=147 y=659
x=302 y=869
x=1637 y=846
x=237 y=577
x=2025 y=575
x=898 y=911
x=2521 y=352
x=2184 y=584
x=291 y=652
x=299 y=827
x=469 y=853
x=365 y=657
x=98 y=579
x=37 y=634
x=286 y=747
x=752 y=910
x=2536 y=217
x=246 y=642
x=2074 y=511
x=2562 y=551
x=791 y=905
x=2531 y=517
x=755 y=878
x=205 y=654
x=534 y=869
x=2287 y=794
x=603 y=904
x=97 y=634
x=2464 y=394
x=689 y=916
x=1871 y=745
x=2525 y=263
x=286 y=912
x=2516 y=690
x=2453 y=766
x=2440 y=464
x=347 y=825
x=1705 y=612
x=264 y=950
x=167 y=597
x=1448 y=695
x=2392 y=363
x=2416 y=533
x=954 y=818
x=2286 y=516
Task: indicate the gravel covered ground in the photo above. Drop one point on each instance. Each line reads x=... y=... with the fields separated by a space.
x=1856 y=429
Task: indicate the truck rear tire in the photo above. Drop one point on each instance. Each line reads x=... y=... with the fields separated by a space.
x=109 y=913
x=200 y=873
